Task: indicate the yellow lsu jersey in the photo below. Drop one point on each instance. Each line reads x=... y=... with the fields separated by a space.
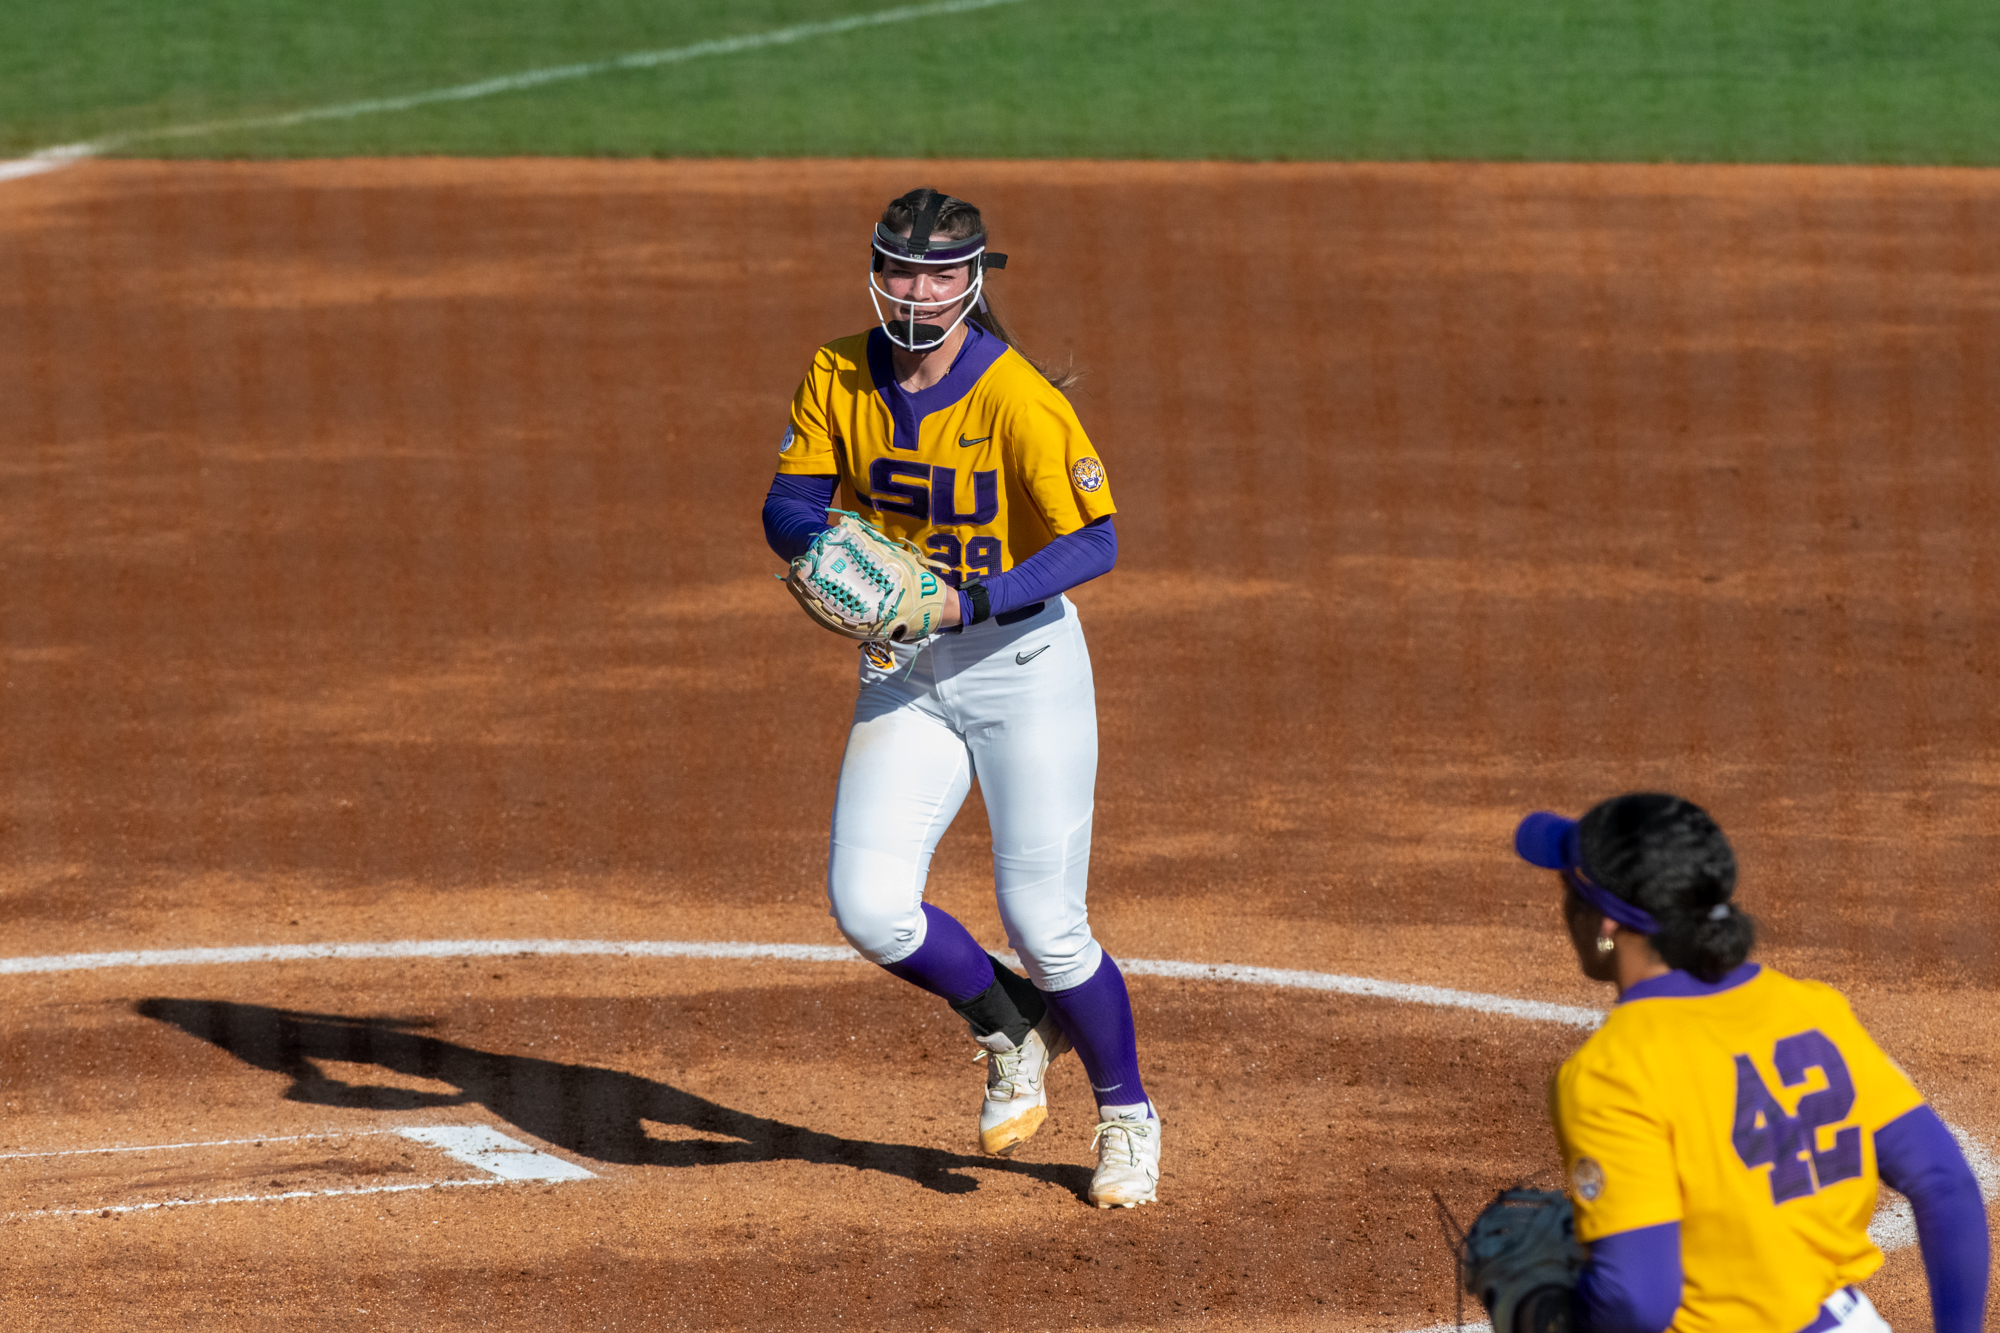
x=981 y=470
x=1748 y=1115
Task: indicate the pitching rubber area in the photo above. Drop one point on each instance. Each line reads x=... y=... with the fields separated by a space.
x=396 y=708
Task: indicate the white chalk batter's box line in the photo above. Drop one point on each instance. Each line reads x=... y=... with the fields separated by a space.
x=504 y=1160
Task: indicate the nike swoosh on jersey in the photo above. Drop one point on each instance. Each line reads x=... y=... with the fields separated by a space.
x=964 y=443
x=1023 y=659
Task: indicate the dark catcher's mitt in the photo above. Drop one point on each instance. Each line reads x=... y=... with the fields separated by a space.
x=1520 y=1258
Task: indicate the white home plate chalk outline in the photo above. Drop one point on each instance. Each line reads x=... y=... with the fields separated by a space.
x=505 y=1161
x=491 y=1151
x=56 y=158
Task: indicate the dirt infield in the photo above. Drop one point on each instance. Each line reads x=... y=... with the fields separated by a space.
x=379 y=560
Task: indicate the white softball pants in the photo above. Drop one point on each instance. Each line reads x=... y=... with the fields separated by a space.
x=1854 y=1313
x=1013 y=706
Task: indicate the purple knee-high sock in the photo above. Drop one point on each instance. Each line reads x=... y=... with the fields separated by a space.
x=949 y=962
x=1097 y=1018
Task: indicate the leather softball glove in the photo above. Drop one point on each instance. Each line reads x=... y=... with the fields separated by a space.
x=862 y=583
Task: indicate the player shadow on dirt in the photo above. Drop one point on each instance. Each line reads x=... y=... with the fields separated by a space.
x=594 y=1113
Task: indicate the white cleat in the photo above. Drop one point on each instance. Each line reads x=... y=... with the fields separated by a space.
x=1017 y=1095
x=1128 y=1162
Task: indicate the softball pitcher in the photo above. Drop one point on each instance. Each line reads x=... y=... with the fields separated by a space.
x=937 y=431
x=1724 y=1132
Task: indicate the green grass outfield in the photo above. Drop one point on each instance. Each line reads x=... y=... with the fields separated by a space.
x=1910 y=81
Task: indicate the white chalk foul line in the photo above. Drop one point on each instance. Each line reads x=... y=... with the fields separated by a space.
x=112 y=1208
x=475 y=1145
x=503 y=1159
x=202 y=1143
x=51 y=159
x=48 y=159
x=1506 y=1006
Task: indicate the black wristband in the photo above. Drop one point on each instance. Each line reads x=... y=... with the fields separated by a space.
x=982 y=605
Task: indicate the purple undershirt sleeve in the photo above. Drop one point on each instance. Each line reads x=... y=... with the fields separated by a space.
x=1073 y=558
x=1920 y=1160
x=1632 y=1283
x=795 y=511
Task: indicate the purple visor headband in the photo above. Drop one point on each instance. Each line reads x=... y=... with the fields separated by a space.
x=935 y=252
x=1554 y=843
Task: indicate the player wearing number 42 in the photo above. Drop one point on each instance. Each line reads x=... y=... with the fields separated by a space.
x=1724 y=1131
x=940 y=434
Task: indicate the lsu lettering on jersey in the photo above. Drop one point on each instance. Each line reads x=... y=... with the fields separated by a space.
x=1748 y=1115
x=981 y=470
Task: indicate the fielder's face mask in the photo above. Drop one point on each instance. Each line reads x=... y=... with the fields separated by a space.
x=909 y=323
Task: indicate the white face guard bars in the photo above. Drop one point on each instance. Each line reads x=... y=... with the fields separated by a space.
x=905 y=330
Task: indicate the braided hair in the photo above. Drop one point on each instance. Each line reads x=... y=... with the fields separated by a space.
x=1667 y=856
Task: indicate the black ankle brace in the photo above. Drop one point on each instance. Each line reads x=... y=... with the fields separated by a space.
x=993 y=1010
x=1027 y=996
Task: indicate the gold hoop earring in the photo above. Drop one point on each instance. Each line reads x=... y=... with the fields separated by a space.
x=1605 y=944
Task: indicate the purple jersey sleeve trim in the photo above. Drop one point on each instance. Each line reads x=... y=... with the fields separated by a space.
x=1919 y=1159
x=1632 y=1283
x=1073 y=558
x=795 y=511
x=1679 y=985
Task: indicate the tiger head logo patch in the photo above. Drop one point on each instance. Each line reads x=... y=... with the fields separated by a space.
x=1087 y=473
x=879 y=656
x=1586 y=1179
